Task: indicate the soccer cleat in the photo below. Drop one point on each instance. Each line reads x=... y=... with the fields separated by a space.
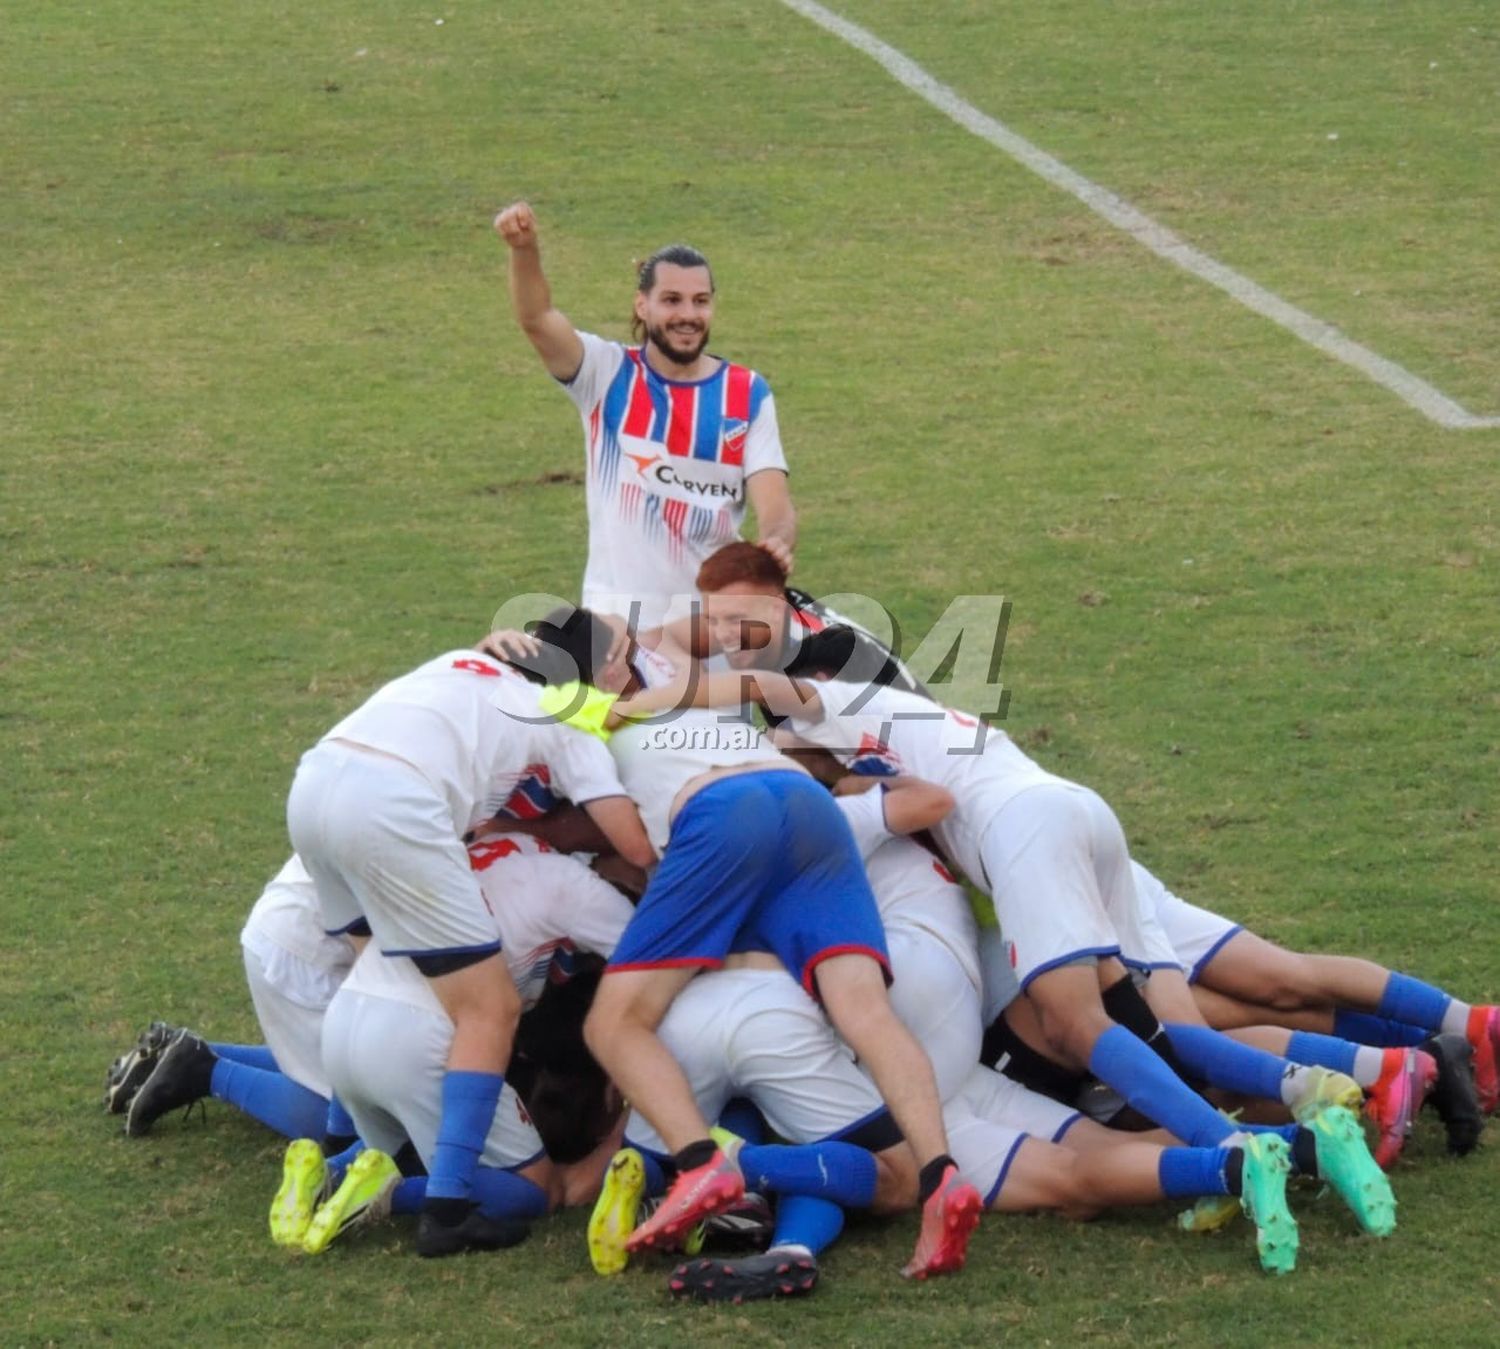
x=181 y=1075
x=615 y=1211
x=1484 y=1034
x=1344 y=1161
x=133 y=1067
x=949 y=1216
x=747 y=1226
x=1453 y=1095
x=304 y=1182
x=694 y=1196
x=783 y=1273
x=1210 y=1213
x=1405 y=1080
x=363 y=1196
x=474 y=1232
x=1324 y=1087
x=1267 y=1164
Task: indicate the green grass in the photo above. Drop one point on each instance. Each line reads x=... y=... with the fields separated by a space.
x=270 y=437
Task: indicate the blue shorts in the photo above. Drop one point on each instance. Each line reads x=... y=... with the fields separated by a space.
x=759 y=861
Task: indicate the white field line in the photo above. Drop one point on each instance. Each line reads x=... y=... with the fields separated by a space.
x=1431 y=402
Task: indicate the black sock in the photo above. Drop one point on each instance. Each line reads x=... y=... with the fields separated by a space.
x=1234 y=1172
x=696 y=1155
x=333 y=1144
x=1305 y=1154
x=448 y=1212
x=931 y=1176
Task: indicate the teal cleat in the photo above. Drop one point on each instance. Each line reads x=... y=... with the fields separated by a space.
x=1344 y=1161
x=1268 y=1163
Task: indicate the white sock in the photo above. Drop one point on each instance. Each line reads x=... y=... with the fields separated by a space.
x=1294 y=1083
x=1456 y=1018
x=1368 y=1062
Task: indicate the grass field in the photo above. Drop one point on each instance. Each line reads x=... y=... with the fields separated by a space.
x=270 y=437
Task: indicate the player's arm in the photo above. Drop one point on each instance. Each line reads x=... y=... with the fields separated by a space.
x=780 y=694
x=620 y=823
x=775 y=516
x=910 y=804
x=555 y=339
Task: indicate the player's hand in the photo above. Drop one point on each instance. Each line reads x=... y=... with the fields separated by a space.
x=516 y=224
x=781 y=551
x=510 y=644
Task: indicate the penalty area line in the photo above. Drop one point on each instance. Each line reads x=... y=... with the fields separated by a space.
x=1415 y=392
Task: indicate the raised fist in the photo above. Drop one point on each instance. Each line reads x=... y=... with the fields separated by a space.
x=516 y=224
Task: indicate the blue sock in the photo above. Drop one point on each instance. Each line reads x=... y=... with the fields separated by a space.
x=469 y=1101
x=1222 y=1062
x=503 y=1194
x=408 y=1195
x=254 y=1056
x=1408 y=999
x=1379 y=1031
x=1186 y=1172
x=839 y=1172
x=1325 y=1051
x=339 y=1124
x=741 y=1117
x=271 y=1097
x=339 y=1162
x=804 y=1220
x=656 y=1175
x=1141 y=1076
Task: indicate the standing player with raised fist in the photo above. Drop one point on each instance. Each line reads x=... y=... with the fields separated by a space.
x=679 y=441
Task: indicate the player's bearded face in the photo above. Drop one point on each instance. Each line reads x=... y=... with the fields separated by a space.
x=677 y=312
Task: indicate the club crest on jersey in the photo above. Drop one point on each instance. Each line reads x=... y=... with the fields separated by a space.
x=874 y=758
x=735 y=432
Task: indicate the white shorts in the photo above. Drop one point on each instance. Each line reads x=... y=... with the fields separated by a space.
x=380 y=844
x=386 y=1061
x=1194 y=935
x=937 y=1000
x=988 y=1120
x=291 y=1025
x=755 y=1033
x=1059 y=874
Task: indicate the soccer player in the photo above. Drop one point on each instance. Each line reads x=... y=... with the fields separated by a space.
x=748 y=1030
x=377 y=811
x=387 y=1037
x=679 y=440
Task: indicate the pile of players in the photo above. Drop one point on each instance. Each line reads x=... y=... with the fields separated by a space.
x=700 y=846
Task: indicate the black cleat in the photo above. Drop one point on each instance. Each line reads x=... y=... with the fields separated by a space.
x=133 y=1067
x=745 y=1227
x=473 y=1232
x=1453 y=1095
x=181 y=1075
x=751 y=1279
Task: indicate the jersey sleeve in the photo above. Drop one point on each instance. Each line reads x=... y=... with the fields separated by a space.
x=763 y=441
x=866 y=815
x=601 y=359
x=582 y=769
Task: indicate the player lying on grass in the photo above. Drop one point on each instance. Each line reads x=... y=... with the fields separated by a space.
x=758 y=858
x=377 y=812
x=1341 y=1011
x=386 y=1038
x=1053 y=858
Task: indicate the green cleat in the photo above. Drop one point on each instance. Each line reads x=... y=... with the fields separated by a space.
x=304 y=1179
x=363 y=1196
x=614 y=1216
x=1344 y=1161
x=1267 y=1165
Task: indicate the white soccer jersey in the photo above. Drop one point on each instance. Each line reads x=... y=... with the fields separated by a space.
x=886 y=731
x=667 y=465
x=912 y=888
x=473 y=728
x=546 y=905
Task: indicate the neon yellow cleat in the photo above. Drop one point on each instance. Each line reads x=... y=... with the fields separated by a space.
x=614 y=1216
x=363 y=1196
x=1322 y=1088
x=304 y=1179
x=1210 y=1213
